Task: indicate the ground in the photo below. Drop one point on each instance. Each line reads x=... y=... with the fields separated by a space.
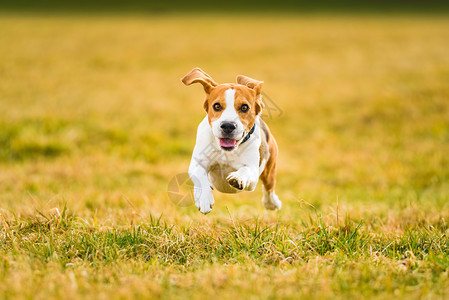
x=95 y=123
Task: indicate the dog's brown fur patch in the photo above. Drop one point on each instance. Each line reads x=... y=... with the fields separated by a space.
x=268 y=175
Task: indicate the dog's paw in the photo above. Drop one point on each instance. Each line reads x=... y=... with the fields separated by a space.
x=271 y=201
x=234 y=182
x=204 y=200
x=240 y=180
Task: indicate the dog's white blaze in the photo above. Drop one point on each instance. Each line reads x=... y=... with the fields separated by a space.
x=229 y=114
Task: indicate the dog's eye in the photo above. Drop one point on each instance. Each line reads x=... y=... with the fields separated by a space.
x=217 y=107
x=244 y=108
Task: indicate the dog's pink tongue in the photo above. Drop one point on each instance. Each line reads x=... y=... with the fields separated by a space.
x=227 y=143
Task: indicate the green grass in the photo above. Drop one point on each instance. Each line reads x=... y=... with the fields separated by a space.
x=95 y=123
x=348 y=260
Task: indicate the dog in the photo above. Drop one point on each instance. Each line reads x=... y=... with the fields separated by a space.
x=234 y=146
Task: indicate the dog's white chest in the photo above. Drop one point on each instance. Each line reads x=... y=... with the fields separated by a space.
x=220 y=166
x=217 y=174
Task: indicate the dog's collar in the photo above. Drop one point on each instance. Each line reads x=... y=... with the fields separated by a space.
x=249 y=134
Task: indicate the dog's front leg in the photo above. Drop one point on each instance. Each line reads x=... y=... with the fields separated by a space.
x=202 y=190
x=244 y=178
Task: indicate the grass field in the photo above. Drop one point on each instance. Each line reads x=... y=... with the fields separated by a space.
x=94 y=122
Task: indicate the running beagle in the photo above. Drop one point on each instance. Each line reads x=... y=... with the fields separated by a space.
x=234 y=147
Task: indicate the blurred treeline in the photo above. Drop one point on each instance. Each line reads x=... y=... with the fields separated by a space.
x=247 y=6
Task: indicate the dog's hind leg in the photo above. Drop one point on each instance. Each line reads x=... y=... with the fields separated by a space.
x=270 y=200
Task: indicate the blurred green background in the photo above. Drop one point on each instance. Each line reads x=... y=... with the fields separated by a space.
x=177 y=6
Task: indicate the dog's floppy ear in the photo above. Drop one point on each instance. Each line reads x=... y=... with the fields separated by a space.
x=255 y=85
x=198 y=75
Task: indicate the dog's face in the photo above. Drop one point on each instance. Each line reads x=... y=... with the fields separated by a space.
x=232 y=111
x=231 y=108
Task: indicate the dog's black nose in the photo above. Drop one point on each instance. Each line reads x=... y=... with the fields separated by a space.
x=228 y=127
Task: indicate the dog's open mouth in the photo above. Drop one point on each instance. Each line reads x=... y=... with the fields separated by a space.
x=227 y=144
